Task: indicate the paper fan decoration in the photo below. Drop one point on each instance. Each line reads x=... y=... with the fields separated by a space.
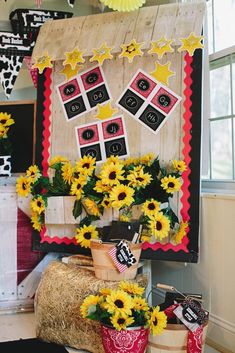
x=123 y=5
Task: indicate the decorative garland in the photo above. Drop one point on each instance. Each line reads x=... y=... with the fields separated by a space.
x=119 y=184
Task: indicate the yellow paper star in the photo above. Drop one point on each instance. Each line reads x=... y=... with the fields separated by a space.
x=191 y=43
x=101 y=54
x=69 y=72
x=131 y=50
x=105 y=111
x=161 y=46
x=42 y=62
x=73 y=58
x=162 y=73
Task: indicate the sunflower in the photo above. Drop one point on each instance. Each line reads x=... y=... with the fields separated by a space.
x=157 y=321
x=121 y=195
x=77 y=185
x=106 y=202
x=57 y=159
x=33 y=173
x=145 y=238
x=85 y=165
x=124 y=218
x=121 y=322
x=177 y=239
x=147 y=159
x=105 y=291
x=3 y=131
x=113 y=159
x=100 y=187
x=138 y=178
x=85 y=234
x=119 y=302
x=170 y=184
x=92 y=207
x=111 y=174
x=36 y=221
x=38 y=204
x=23 y=186
x=67 y=173
x=159 y=225
x=131 y=160
x=88 y=305
x=131 y=288
x=140 y=304
x=180 y=166
x=151 y=207
x=6 y=120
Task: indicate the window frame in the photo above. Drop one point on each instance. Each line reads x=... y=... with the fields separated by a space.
x=208 y=183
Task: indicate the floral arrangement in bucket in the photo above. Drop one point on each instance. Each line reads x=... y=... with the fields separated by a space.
x=118 y=184
x=5 y=144
x=125 y=317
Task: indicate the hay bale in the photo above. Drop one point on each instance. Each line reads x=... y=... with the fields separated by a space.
x=59 y=296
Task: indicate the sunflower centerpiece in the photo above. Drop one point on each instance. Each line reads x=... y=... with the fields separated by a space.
x=125 y=316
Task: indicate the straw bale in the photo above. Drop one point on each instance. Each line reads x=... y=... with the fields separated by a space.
x=61 y=291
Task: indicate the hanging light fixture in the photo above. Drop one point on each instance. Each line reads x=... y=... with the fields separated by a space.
x=123 y=5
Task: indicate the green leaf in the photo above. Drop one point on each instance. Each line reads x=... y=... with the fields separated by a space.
x=88 y=220
x=77 y=209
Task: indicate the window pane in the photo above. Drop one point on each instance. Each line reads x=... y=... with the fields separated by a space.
x=224 y=23
x=220 y=92
x=210 y=27
x=221 y=149
x=233 y=75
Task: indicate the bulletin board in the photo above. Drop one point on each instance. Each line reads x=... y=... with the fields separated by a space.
x=22 y=134
x=180 y=136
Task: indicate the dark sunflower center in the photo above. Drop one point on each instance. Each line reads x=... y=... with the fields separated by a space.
x=140 y=179
x=87 y=235
x=3 y=121
x=86 y=165
x=171 y=184
x=121 y=321
x=151 y=206
x=112 y=175
x=79 y=186
x=24 y=186
x=39 y=203
x=121 y=196
x=158 y=225
x=155 y=322
x=119 y=303
x=106 y=202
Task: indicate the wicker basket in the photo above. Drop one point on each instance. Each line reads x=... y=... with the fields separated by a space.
x=173 y=339
x=104 y=265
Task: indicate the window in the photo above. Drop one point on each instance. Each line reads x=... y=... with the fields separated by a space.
x=221 y=43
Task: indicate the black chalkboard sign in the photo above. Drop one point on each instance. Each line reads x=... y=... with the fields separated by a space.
x=22 y=133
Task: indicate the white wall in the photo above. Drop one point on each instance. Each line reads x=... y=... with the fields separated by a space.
x=214 y=276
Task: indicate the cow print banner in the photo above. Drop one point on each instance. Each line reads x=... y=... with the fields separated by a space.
x=71 y=2
x=9 y=70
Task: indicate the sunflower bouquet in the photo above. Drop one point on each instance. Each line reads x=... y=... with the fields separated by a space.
x=5 y=144
x=118 y=184
x=123 y=308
